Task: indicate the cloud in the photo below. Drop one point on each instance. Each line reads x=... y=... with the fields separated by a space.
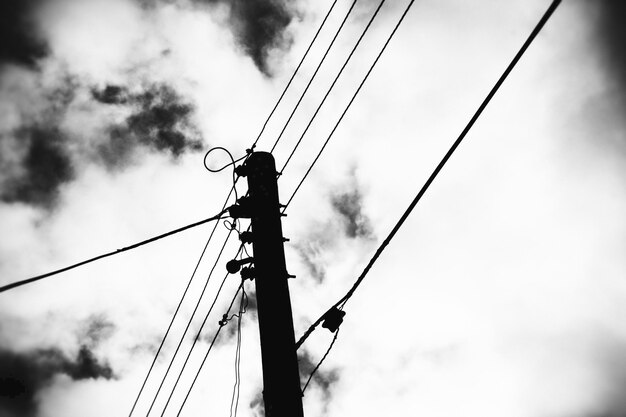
x=97 y=329
x=24 y=374
x=42 y=152
x=349 y=206
x=44 y=167
x=256 y=405
x=160 y=120
x=259 y=27
x=324 y=378
x=345 y=220
x=19 y=41
x=612 y=32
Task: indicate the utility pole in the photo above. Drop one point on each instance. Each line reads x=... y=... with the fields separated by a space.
x=282 y=394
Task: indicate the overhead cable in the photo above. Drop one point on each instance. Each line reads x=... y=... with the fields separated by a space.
x=222 y=323
x=293 y=75
x=356 y=45
x=332 y=42
x=180 y=302
x=115 y=252
x=341 y=303
x=193 y=313
x=195 y=341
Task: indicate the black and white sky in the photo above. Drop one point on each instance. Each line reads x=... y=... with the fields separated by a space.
x=503 y=294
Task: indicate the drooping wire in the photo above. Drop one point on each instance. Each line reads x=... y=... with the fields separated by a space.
x=180 y=342
x=234 y=402
x=332 y=343
x=332 y=42
x=115 y=252
x=341 y=303
x=356 y=45
x=222 y=323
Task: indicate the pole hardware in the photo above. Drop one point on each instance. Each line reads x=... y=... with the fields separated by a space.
x=242 y=209
x=246 y=237
x=333 y=319
x=248 y=272
x=234 y=265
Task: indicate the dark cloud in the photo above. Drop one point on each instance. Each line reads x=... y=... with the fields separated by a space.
x=24 y=374
x=612 y=38
x=349 y=205
x=259 y=26
x=160 y=120
x=257 y=405
x=19 y=42
x=45 y=166
x=324 y=378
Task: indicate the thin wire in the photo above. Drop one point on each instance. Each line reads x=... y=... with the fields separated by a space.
x=222 y=323
x=293 y=75
x=234 y=402
x=332 y=343
x=180 y=342
x=193 y=345
x=136 y=245
x=314 y=74
x=341 y=303
x=369 y=23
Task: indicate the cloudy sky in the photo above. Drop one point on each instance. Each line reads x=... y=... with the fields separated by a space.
x=503 y=294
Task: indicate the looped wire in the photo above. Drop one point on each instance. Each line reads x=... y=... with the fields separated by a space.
x=230 y=155
x=233 y=162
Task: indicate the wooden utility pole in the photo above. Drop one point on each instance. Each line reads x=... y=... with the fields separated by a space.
x=282 y=394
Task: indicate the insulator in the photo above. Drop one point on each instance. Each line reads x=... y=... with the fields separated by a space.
x=248 y=272
x=246 y=237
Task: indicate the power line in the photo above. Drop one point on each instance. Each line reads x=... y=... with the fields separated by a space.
x=369 y=71
x=314 y=74
x=115 y=252
x=195 y=341
x=222 y=323
x=369 y=23
x=294 y=74
x=180 y=302
x=341 y=303
x=182 y=338
x=332 y=343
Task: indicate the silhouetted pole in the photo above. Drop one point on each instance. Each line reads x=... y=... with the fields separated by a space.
x=281 y=380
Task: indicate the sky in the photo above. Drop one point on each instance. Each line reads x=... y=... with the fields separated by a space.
x=504 y=292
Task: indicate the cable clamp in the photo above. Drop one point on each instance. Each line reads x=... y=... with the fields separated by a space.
x=333 y=319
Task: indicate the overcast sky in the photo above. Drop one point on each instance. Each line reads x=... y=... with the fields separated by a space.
x=503 y=294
